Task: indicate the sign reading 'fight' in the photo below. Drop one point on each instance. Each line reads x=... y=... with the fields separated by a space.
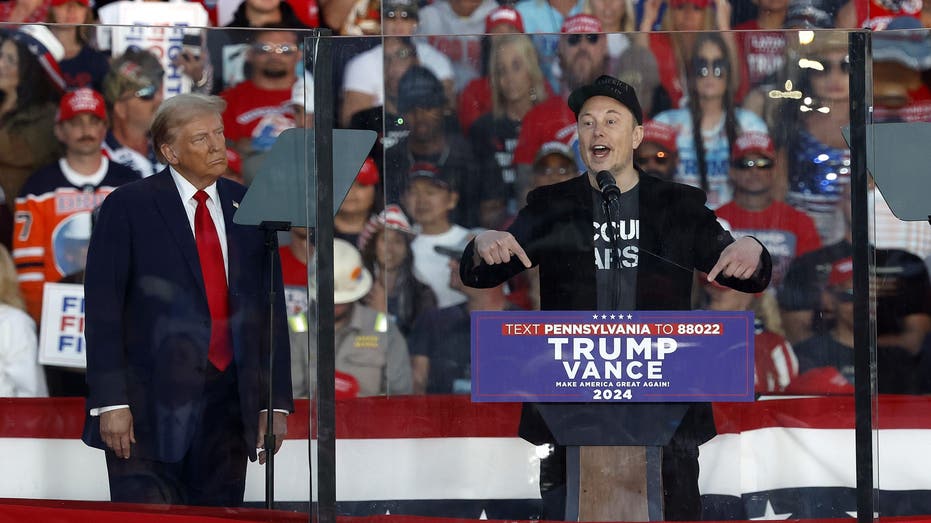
x=61 y=338
x=649 y=356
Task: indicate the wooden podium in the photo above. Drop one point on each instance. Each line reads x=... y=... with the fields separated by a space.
x=613 y=457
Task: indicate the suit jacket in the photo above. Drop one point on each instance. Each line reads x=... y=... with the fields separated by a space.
x=677 y=234
x=148 y=323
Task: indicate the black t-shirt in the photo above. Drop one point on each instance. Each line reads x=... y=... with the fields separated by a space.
x=444 y=336
x=497 y=138
x=901 y=276
x=86 y=69
x=616 y=270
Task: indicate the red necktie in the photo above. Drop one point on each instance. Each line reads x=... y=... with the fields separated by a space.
x=220 y=353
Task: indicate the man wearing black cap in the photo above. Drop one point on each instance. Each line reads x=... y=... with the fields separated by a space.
x=422 y=102
x=662 y=232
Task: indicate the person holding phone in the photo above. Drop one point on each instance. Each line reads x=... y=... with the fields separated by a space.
x=194 y=63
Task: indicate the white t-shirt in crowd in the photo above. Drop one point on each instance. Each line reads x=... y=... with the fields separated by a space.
x=432 y=268
x=20 y=373
x=365 y=73
x=458 y=37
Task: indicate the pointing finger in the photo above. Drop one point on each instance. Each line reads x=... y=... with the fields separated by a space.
x=713 y=273
x=519 y=252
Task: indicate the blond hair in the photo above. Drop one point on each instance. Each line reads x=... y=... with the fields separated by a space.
x=528 y=52
x=628 y=24
x=9 y=281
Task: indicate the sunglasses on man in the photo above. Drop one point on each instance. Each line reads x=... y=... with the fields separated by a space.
x=399 y=15
x=146 y=93
x=752 y=163
x=661 y=159
x=264 y=48
x=574 y=39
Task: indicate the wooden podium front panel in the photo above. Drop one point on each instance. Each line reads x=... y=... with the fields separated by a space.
x=613 y=484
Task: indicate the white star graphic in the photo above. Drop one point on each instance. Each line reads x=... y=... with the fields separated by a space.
x=594 y=316
x=613 y=316
x=770 y=514
x=853 y=514
x=630 y=317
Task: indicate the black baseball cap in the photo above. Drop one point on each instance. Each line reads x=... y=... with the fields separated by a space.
x=428 y=171
x=612 y=88
x=418 y=87
x=408 y=7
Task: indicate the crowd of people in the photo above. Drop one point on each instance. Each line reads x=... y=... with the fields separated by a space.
x=469 y=99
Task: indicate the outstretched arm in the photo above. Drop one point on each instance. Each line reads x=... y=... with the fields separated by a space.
x=496 y=247
x=492 y=258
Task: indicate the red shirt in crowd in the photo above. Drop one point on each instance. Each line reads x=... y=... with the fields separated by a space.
x=785 y=231
x=762 y=52
x=252 y=112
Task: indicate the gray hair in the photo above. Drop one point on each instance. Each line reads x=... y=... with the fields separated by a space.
x=178 y=111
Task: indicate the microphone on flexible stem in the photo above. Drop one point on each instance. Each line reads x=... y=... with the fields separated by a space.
x=611 y=194
x=609 y=188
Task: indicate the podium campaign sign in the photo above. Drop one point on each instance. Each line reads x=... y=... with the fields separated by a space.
x=61 y=337
x=648 y=356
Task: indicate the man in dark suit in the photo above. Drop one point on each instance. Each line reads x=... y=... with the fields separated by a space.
x=177 y=321
x=663 y=232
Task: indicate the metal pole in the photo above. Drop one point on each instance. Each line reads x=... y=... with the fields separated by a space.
x=860 y=102
x=324 y=101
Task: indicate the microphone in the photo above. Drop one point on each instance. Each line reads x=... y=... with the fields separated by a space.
x=609 y=188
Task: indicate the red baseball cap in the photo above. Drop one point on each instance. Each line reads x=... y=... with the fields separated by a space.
x=701 y=4
x=504 y=15
x=661 y=134
x=820 y=380
x=753 y=142
x=368 y=174
x=233 y=161
x=841 y=272
x=581 y=24
x=83 y=100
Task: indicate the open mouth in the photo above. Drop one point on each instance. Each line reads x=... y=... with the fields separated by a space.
x=600 y=151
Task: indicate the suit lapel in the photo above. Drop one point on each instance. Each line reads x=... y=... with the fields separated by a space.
x=232 y=233
x=172 y=210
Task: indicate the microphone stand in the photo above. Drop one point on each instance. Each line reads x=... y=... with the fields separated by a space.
x=271 y=229
x=610 y=192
